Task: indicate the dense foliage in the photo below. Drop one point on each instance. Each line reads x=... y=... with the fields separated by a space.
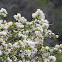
x=22 y=41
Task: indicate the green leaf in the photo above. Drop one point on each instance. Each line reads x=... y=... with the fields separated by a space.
x=26 y=57
x=28 y=47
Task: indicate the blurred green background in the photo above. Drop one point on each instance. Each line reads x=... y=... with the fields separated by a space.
x=51 y=8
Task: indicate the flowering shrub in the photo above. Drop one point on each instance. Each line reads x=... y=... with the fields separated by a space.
x=22 y=41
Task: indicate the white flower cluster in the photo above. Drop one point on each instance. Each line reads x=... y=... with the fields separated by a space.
x=19 y=18
x=22 y=41
x=38 y=14
x=3 y=12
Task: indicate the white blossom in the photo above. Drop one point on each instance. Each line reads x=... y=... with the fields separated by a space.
x=3 y=12
x=19 y=18
x=57 y=36
x=52 y=58
x=47 y=48
x=3 y=33
x=0 y=52
x=9 y=60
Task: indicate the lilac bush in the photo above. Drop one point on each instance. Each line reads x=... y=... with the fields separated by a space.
x=22 y=41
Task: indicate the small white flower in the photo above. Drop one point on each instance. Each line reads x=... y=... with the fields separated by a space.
x=57 y=36
x=47 y=48
x=52 y=58
x=3 y=12
x=10 y=23
x=20 y=61
x=23 y=19
x=46 y=60
x=57 y=46
x=60 y=45
x=41 y=30
x=5 y=45
x=45 y=25
x=39 y=14
x=55 y=49
x=15 y=44
x=51 y=50
x=33 y=15
x=9 y=60
x=3 y=33
x=17 y=17
x=38 y=33
x=1 y=21
x=0 y=52
x=59 y=51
